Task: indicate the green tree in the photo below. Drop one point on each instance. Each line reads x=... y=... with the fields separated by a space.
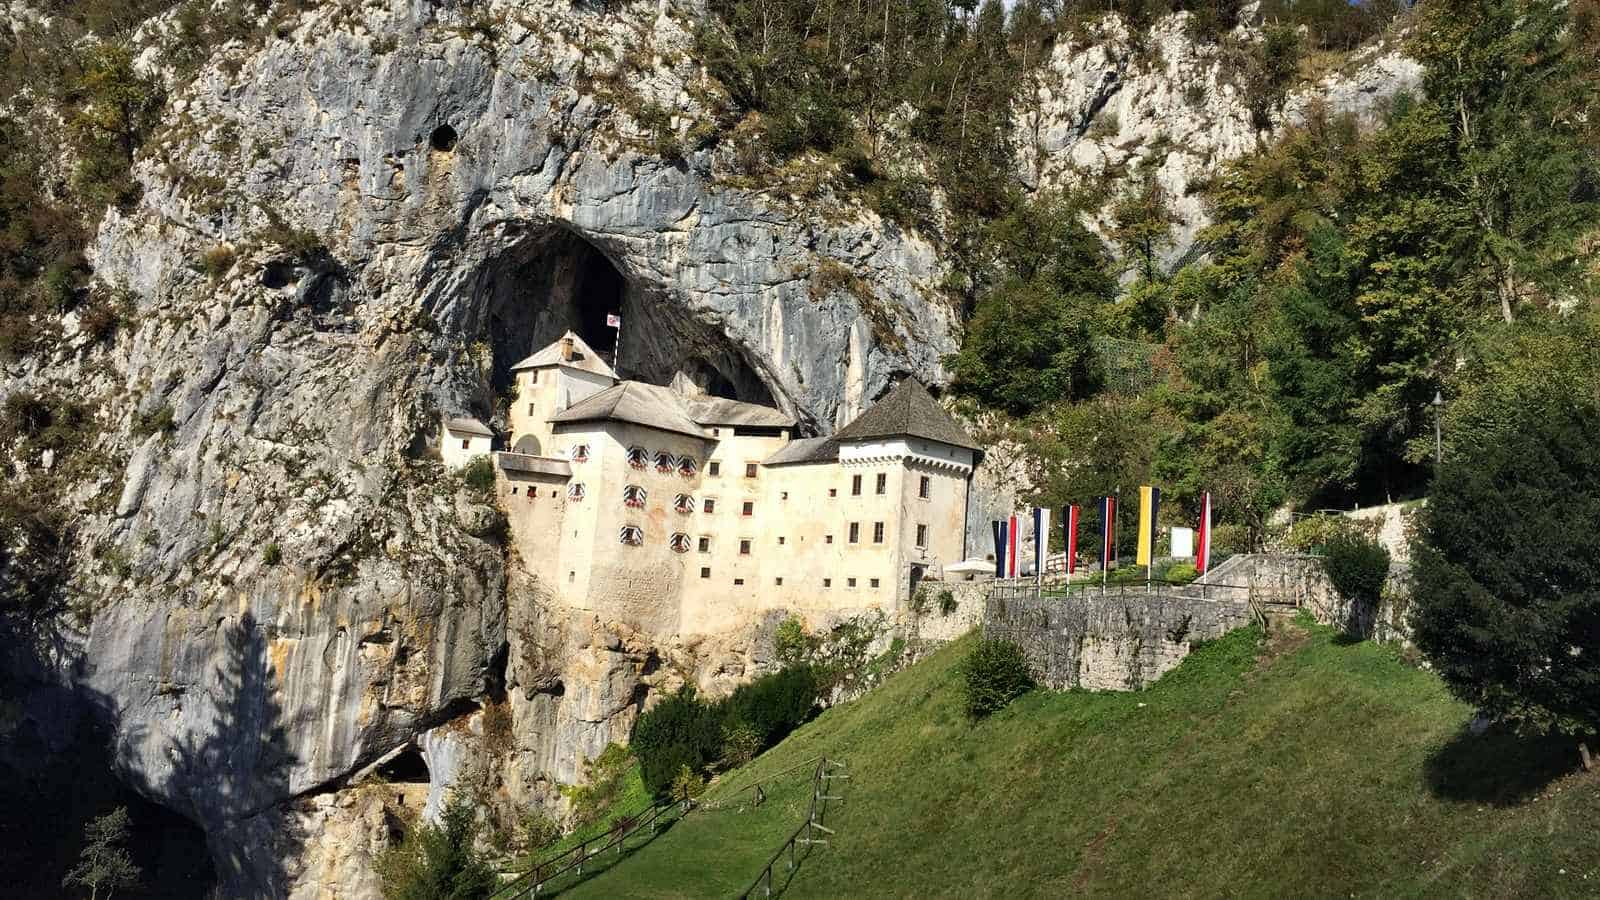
x=1141 y=223
x=103 y=863
x=438 y=861
x=1507 y=588
x=1029 y=342
x=116 y=108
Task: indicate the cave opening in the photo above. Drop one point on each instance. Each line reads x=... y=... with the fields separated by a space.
x=407 y=767
x=553 y=279
x=443 y=139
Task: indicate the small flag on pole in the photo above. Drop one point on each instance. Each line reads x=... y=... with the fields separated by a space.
x=1202 y=557
x=1108 y=531
x=613 y=320
x=1069 y=525
x=1149 y=508
x=1041 y=538
x=1011 y=548
x=999 y=548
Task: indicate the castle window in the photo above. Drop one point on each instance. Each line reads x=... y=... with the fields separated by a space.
x=632 y=535
x=580 y=452
x=780 y=540
x=738 y=581
x=877 y=532
x=637 y=457
x=575 y=491
x=513 y=490
x=827 y=539
x=714 y=468
x=744 y=547
x=922 y=535
x=533 y=377
x=783 y=495
x=749 y=470
x=855 y=532
x=679 y=543
x=531 y=409
x=705 y=545
x=466 y=443
x=633 y=496
x=925 y=487
x=778 y=581
x=749 y=508
x=709 y=506
x=683 y=503
x=883 y=483
x=705 y=571
x=850 y=582
x=873 y=583
x=665 y=462
x=687 y=467
x=827 y=582
x=855 y=485
x=833 y=492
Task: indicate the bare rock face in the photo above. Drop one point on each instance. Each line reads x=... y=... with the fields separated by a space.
x=1110 y=108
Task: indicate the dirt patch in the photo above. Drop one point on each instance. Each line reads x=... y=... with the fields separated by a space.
x=1092 y=852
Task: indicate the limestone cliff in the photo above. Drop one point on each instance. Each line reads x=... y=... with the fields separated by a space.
x=363 y=223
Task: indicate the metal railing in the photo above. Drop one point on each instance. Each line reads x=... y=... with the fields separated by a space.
x=803 y=835
x=531 y=882
x=754 y=788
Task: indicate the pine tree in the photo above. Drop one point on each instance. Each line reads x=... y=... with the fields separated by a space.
x=104 y=863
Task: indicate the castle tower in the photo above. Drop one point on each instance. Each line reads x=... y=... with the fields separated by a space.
x=558 y=376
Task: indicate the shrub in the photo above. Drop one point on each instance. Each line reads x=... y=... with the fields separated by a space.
x=1180 y=573
x=947 y=602
x=791 y=644
x=773 y=705
x=537 y=831
x=479 y=474
x=217 y=261
x=156 y=421
x=994 y=674
x=607 y=776
x=681 y=730
x=740 y=743
x=439 y=860
x=99 y=320
x=687 y=785
x=1357 y=565
x=272 y=554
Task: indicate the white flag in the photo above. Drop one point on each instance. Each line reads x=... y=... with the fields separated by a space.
x=613 y=320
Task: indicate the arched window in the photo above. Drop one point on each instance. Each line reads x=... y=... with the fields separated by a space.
x=633 y=496
x=580 y=452
x=683 y=503
x=687 y=467
x=632 y=535
x=575 y=491
x=680 y=543
x=637 y=457
x=665 y=462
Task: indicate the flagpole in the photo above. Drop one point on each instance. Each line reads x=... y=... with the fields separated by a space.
x=616 y=353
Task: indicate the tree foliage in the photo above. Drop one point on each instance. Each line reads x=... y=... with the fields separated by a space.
x=994 y=673
x=1507 y=583
x=437 y=861
x=104 y=865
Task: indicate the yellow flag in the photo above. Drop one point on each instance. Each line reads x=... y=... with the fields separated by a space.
x=1149 y=506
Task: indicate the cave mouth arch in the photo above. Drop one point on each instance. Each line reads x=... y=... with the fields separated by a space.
x=551 y=279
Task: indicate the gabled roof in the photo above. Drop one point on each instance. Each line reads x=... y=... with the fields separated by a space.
x=467 y=425
x=906 y=411
x=720 y=411
x=634 y=401
x=583 y=358
x=805 y=450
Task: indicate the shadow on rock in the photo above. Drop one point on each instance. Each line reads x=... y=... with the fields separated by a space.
x=1498 y=767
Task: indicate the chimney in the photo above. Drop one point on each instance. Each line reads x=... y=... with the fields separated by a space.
x=566 y=349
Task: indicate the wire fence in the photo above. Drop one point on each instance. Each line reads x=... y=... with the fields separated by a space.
x=571 y=860
x=806 y=834
x=753 y=794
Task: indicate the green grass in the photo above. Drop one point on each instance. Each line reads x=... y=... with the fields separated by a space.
x=1317 y=768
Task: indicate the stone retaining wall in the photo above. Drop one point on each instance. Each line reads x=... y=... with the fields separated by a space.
x=1109 y=642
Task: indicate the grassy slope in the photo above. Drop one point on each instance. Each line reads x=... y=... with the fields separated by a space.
x=1322 y=769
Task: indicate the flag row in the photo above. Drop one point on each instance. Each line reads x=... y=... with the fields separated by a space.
x=1008 y=535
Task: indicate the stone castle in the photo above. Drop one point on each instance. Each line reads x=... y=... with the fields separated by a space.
x=682 y=512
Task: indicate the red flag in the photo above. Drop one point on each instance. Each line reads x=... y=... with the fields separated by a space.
x=1070 y=523
x=1011 y=550
x=1202 y=557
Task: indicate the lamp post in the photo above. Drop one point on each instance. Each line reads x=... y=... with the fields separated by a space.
x=1438 y=434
